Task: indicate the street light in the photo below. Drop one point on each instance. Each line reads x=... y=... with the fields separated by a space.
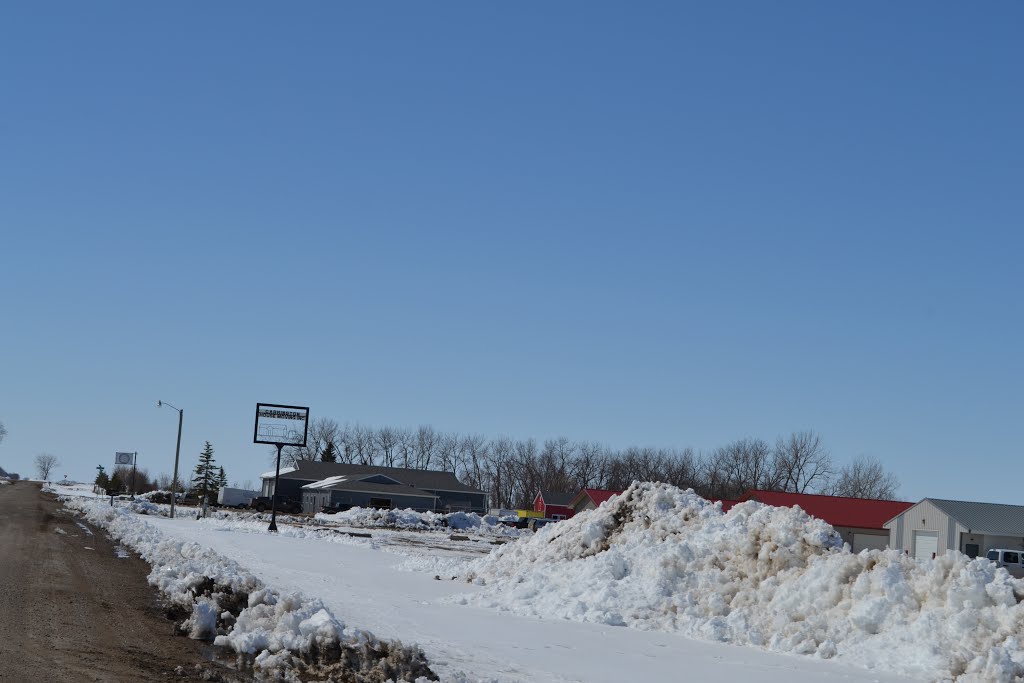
x=177 y=450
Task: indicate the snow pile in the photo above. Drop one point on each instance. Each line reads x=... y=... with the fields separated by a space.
x=83 y=490
x=159 y=495
x=410 y=519
x=142 y=506
x=211 y=597
x=660 y=558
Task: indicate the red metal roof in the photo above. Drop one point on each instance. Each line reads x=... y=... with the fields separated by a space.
x=836 y=510
x=726 y=504
x=597 y=495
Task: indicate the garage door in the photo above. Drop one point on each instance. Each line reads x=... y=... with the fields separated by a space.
x=926 y=544
x=869 y=542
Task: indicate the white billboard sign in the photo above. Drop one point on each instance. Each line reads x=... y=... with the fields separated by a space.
x=278 y=424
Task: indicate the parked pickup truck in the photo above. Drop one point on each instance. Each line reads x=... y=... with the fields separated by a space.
x=1010 y=560
x=288 y=505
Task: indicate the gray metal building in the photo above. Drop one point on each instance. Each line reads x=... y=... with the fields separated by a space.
x=933 y=526
x=330 y=484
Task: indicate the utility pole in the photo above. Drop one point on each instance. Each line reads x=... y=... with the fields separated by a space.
x=135 y=456
x=177 y=453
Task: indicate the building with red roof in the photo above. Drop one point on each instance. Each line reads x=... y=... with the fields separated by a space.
x=553 y=505
x=860 y=521
x=588 y=499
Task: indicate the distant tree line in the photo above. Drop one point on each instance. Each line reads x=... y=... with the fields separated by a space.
x=512 y=471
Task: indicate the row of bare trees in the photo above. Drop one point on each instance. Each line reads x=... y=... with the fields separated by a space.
x=513 y=470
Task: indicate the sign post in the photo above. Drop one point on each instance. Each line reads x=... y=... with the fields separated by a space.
x=280 y=426
x=123 y=458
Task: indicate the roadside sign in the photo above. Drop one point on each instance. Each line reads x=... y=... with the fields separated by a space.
x=281 y=425
x=124 y=458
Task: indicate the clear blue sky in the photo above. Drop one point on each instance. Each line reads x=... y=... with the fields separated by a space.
x=666 y=224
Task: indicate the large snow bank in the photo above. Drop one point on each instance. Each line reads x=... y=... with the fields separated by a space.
x=657 y=557
x=211 y=596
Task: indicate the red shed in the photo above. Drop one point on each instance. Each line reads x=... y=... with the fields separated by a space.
x=553 y=505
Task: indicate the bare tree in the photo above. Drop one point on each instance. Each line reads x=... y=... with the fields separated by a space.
x=683 y=470
x=448 y=452
x=474 y=452
x=142 y=482
x=742 y=465
x=163 y=482
x=804 y=463
x=361 y=447
x=45 y=463
x=503 y=472
x=321 y=432
x=386 y=441
x=406 y=446
x=587 y=465
x=528 y=479
x=426 y=447
x=3 y=432
x=865 y=478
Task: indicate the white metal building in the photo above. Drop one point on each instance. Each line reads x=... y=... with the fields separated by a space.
x=933 y=526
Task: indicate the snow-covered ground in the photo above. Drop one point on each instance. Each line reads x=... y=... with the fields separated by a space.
x=398 y=585
x=397 y=596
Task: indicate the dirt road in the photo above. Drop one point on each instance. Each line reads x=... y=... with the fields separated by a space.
x=74 y=607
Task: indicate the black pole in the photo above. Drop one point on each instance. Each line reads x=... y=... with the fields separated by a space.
x=135 y=457
x=273 y=496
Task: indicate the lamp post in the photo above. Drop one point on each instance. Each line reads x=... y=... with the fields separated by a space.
x=177 y=451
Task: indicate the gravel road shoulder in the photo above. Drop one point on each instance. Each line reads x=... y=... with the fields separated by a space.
x=75 y=607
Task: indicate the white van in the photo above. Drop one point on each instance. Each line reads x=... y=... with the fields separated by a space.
x=1011 y=560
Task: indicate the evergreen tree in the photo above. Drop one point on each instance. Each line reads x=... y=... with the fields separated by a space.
x=204 y=476
x=102 y=480
x=115 y=483
x=330 y=453
x=222 y=479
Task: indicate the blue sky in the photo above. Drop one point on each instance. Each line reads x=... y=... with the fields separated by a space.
x=663 y=224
